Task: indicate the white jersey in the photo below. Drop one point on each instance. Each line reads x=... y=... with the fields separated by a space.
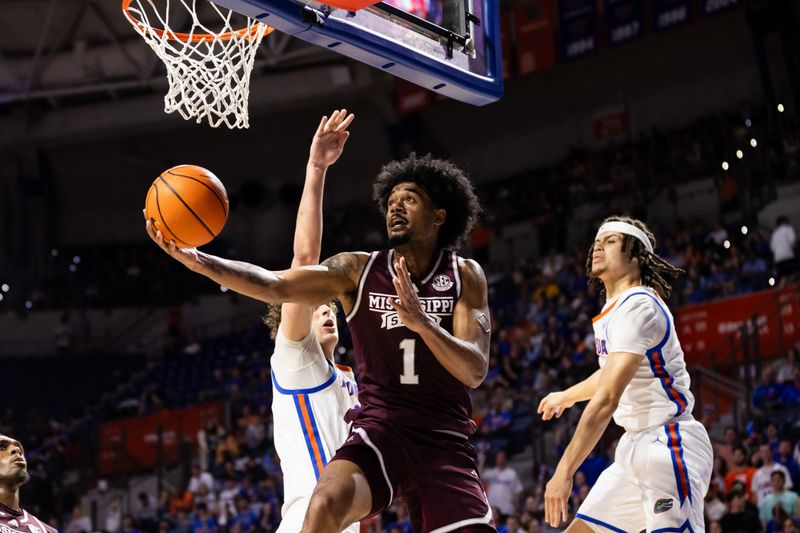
x=639 y=322
x=310 y=399
x=662 y=466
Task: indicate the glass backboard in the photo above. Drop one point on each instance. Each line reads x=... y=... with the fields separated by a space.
x=448 y=46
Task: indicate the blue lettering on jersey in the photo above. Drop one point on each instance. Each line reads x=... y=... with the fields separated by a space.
x=352 y=388
x=600 y=346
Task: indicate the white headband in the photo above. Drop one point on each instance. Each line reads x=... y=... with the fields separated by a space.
x=627 y=229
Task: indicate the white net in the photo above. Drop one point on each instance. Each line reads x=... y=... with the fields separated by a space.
x=208 y=69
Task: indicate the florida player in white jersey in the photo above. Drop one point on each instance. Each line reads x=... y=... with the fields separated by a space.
x=662 y=467
x=311 y=394
x=14 y=474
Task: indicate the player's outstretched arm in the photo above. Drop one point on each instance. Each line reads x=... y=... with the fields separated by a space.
x=310 y=285
x=612 y=380
x=555 y=403
x=326 y=147
x=465 y=352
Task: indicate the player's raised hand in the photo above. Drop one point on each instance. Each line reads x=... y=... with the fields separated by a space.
x=554 y=404
x=187 y=256
x=330 y=138
x=408 y=307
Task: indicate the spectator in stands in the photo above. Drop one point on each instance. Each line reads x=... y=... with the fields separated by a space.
x=579 y=483
x=715 y=507
x=182 y=503
x=511 y=525
x=724 y=450
x=504 y=485
x=777 y=519
x=762 y=480
x=784 y=457
x=718 y=474
x=164 y=501
x=269 y=516
x=207 y=497
x=783 y=243
x=204 y=523
x=742 y=516
x=497 y=420
x=244 y=518
x=740 y=473
x=754 y=272
x=226 y=497
x=200 y=478
x=145 y=513
x=128 y=525
x=772 y=438
x=767 y=396
x=787 y=367
x=79 y=522
x=183 y=522
x=779 y=497
x=790 y=396
x=594 y=464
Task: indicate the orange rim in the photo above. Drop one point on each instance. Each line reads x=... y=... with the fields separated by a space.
x=247 y=33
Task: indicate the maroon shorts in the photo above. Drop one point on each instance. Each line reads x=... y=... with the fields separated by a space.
x=435 y=473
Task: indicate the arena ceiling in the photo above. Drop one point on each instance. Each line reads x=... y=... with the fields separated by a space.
x=59 y=56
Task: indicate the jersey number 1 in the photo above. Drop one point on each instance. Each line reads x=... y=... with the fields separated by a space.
x=408 y=377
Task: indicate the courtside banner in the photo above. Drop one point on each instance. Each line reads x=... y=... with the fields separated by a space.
x=671 y=13
x=577 y=27
x=624 y=21
x=707 y=327
x=133 y=444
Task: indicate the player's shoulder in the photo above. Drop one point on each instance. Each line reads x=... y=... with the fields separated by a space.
x=470 y=270
x=642 y=299
x=347 y=262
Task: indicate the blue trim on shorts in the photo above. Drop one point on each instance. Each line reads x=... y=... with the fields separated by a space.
x=685 y=466
x=686 y=526
x=600 y=523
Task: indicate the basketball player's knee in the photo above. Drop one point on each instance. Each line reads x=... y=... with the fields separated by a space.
x=328 y=502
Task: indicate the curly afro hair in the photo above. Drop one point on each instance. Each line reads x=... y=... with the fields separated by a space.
x=656 y=272
x=448 y=186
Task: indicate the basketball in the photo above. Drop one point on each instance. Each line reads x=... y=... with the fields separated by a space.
x=188 y=204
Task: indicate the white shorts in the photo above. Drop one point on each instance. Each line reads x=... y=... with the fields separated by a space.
x=293 y=516
x=656 y=484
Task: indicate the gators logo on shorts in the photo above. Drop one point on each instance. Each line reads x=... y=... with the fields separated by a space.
x=662 y=506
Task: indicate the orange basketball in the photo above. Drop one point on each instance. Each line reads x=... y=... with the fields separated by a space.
x=188 y=204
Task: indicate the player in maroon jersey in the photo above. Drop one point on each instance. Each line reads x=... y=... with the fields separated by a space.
x=14 y=474
x=419 y=319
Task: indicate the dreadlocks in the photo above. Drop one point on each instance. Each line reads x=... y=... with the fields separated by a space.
x=655 y=271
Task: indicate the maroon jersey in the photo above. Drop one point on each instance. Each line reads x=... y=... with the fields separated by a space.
x=400 y=379
x=20 y=521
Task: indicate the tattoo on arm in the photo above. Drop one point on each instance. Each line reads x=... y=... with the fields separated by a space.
x=244 y=271
x=346 y=263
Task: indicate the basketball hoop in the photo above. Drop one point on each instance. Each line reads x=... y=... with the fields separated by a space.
x=208 y=71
